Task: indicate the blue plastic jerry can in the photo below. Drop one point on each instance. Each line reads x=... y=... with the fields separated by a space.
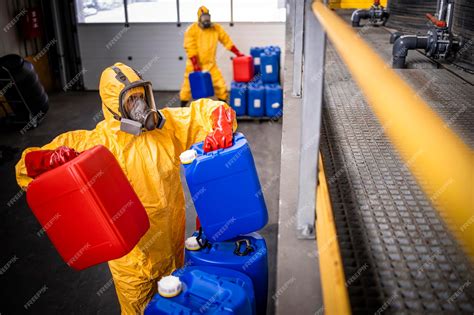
x=201 y=84
x=273 y=100
x=238 y=98
x=230 y=275
x=225 y=188
x=256 y=100
x=255 y=53
x=277 y=51
x=204 y=290
x=269 y=67
x=246 y=254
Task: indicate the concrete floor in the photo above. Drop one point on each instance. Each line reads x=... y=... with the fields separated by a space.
x=29 y=265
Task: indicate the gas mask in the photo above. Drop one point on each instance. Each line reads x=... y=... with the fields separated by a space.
x=140 y=111
x=137 y=106
x=205 y=20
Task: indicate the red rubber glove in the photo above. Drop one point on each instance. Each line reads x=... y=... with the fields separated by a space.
x=222 y=134
x=236 y=51
x=38 y=162
x=195 y=61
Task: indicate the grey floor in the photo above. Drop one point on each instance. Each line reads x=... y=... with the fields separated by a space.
x=30 y=267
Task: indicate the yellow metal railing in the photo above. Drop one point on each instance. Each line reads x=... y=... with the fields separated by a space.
x=335 y=296
x=353 y=4
x=441 y=162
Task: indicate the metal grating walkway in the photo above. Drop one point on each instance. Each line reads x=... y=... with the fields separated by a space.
x=398 y=256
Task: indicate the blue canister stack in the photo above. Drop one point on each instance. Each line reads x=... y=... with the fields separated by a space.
x=264 y=95
x=223 y=264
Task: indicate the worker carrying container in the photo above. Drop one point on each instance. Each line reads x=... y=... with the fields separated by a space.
x=200 y=42
x=146 y=149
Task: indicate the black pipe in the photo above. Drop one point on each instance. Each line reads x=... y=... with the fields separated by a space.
x=403 y=44
x=394 y=36
x=357 y=15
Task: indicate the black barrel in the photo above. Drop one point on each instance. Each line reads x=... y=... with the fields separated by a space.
x=408 y=16
x=27 y=96
x=463 y=25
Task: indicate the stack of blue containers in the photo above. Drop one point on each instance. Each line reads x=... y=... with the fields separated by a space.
x=226 y=268
x=263 y=96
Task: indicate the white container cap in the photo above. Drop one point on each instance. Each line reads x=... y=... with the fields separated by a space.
x=188 y=156
x=191 y=243
x=169 y=286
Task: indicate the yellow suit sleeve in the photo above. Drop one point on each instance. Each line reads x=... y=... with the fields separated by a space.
x=192 y=124
x=224 y=38
x=190 y=44
x=74 y=139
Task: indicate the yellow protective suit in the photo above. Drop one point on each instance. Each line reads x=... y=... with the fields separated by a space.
x=203 y=43
x=151 y=163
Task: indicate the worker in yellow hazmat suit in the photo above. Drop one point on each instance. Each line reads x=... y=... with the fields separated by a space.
x=151 y=162
x=200 y=43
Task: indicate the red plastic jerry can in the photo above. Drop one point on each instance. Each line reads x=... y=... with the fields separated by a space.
x=88 y=209
x=243 y=68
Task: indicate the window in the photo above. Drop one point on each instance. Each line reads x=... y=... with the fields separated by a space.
x=259 y=11
x=219 y=9
x=139 y=11
x=152 y=11
x=100 y=11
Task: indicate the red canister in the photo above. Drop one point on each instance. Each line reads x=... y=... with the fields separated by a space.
x=88 y=209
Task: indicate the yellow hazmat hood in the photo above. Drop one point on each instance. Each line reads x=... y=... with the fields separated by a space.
x=110 y=88
x=202 y=10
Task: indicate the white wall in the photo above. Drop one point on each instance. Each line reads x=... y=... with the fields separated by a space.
x=156 y=48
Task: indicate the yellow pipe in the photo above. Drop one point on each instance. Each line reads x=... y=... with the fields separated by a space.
x=333 y=281
x=441 y=162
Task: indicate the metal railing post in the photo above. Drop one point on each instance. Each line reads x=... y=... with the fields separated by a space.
x=313 y=79
x=298 y=31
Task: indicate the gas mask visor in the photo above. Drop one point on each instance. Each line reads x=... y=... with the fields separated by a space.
x=205 y=20
x=138 y=109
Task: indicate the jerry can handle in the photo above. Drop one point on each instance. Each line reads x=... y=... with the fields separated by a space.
x=200 y=240
x=248 y=247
